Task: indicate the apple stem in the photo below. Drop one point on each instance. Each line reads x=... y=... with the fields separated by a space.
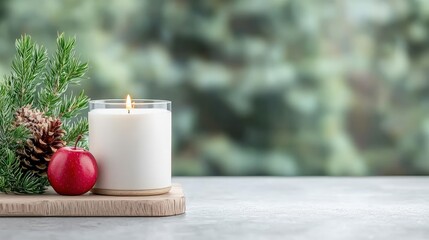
x=77 y=140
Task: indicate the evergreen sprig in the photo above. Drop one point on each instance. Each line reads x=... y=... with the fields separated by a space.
x=63 y=69
x=42 y=83
x=29 y=62
x=75 y=129
x=13 y=179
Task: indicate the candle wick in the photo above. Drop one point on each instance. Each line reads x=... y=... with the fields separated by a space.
x=128 y=111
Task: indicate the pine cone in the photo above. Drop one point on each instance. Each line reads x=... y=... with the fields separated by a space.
x=46 y=139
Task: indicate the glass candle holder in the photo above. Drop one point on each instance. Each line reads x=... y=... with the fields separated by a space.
x=131 y=142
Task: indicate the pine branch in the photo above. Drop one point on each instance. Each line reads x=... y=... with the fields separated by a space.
x=7 y=170
x=5 y=115
x=28 y=183
x=28 y=64
x=14 y=180
x=3 y=183
x=10 y=136
x=72 y=105
x=30 y=68
x=73 y=130
x=64 y=69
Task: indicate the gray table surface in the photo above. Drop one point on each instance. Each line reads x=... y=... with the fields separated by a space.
x=262 y=208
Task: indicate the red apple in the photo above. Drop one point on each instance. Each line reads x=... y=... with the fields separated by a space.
x=72 y=170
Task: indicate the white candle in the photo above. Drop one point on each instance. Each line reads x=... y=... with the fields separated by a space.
x=132 y=149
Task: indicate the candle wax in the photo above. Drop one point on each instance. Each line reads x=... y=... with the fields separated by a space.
x=133 y=150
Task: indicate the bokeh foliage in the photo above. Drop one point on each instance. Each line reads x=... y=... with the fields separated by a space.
x=273 y=87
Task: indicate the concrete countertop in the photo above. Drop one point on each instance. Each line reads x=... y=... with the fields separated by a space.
x=261 y=208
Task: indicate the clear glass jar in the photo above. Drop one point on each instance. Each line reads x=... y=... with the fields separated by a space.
x=132 y=145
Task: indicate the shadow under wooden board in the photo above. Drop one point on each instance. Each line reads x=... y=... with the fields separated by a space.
x=91 y=205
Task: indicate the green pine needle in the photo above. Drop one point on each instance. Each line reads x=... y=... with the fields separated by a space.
x=12 y=179
x=29 y=62
x=71 y=105
x=75 y=129
x=42 y=83
x=63 y=69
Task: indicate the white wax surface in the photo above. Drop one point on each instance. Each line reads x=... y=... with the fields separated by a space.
x=133 y=150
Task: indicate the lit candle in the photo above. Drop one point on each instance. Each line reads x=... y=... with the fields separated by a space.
x=131 y=142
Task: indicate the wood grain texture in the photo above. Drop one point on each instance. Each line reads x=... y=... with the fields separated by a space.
x=52 y=204
x=149 y=192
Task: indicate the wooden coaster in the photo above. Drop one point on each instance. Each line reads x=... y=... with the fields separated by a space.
x=52 y=204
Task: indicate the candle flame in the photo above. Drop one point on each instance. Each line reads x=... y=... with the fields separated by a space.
x=128 y=103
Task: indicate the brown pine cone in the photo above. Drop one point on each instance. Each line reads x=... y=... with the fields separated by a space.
x=46 y=139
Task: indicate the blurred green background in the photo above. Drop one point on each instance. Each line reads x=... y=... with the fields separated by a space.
x=272 y=87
